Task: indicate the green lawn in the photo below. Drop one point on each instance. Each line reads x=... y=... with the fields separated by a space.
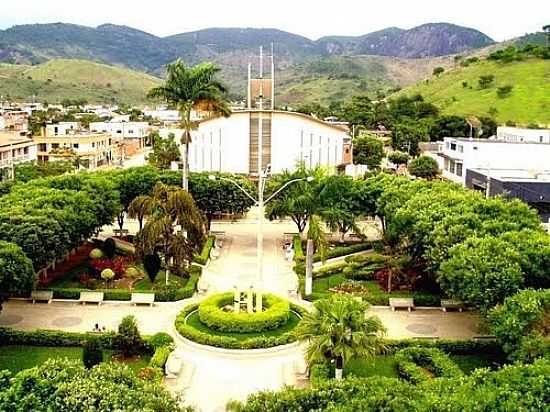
x=385 y=365
x=16 y=358
x=195 y=322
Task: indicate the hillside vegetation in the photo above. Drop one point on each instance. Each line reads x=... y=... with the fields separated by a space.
x=458 y=92
x=59 y=79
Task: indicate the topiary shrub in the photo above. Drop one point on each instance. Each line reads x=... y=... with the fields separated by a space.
x=96 y=254
x=132 y=273
x=161 y=339
x=212 y=314
x=91 y=353
x=109 y=248
x=152 y=264
x=128 y=339
x=158 y=360
x=418 y=364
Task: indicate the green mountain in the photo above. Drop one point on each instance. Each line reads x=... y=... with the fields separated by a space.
x=457 y=91
x=58 y=79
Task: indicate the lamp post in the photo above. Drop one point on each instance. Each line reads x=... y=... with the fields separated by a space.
x=260 y=202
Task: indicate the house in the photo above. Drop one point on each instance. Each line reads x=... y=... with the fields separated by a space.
x=16 y=121
x=15 y=148
x=62 y=128
x=515 y=134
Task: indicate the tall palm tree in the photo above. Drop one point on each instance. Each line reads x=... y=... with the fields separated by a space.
x=192 y=88
x=175 y=227
x=339 y=330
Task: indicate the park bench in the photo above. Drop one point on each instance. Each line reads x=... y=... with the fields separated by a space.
x=143 y=298
x=214 y=253
x=451 y=304
x=396 y=303
x=121 y=232
x=173 y=366
x=202 y=287
x=484 y=337
x=91 y=297
x=41 y=296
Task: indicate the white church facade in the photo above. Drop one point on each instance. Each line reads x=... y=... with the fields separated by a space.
x=232 y=144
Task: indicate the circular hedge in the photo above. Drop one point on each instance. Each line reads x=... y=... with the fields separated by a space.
x=269 y=340
x=275 y=314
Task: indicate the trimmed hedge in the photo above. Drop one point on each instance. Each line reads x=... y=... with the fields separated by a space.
x=203 y=257
x=166 y=294
x=159 y=358
x=211 y=313
x=228 y=342
x=39 y=337
x=414 y=364
x=300 y=257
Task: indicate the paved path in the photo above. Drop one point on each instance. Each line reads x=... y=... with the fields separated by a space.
x=217 y=376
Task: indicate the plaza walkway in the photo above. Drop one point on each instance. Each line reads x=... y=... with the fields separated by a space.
x=217 y=376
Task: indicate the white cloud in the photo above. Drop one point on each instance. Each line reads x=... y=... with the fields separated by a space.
x=498 y=19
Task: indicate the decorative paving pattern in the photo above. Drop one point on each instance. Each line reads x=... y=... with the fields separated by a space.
x=421 y=328
x=67 y=321
x=8 y=320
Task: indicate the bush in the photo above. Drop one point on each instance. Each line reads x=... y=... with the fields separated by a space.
x=412 y=364
x=399 y=158
x=211 y=313
x=151 y=374
x=109 y=248
x=299 y=255
x=159 y=358
x=486 y=81
x=424 y=167
x=152 y=264
x=229 y=342
x=17 y=275
x=202 y=259
x=128 y=338
x=158 y=340
x=96 y=254
x=92 y=354
x=132 y=273
x=107 y=274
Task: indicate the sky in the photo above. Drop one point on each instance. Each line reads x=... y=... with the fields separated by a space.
x=499 y=19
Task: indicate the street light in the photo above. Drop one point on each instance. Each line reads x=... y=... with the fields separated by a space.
x=260 y=202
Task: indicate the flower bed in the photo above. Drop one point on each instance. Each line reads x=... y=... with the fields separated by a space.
x=212 y=314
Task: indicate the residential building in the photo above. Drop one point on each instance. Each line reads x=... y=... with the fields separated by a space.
x=515 y=134
x=16 y=121
x=92 y=149
x=14 y=149
x=122 y=130
x=62 y=128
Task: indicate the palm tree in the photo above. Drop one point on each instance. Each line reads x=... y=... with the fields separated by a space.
x=316 y=240
x=192 y=88
x=339 y=330
x=175 y=227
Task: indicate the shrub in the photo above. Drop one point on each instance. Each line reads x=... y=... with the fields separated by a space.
x=159 y=358
x=128 y=338
x=399 y=158
x=504 y=91
x=299 y=255
x=202 y=259
x=107 y=274
x=424 y=166
x=132 y=273
x=412 y=364
x=92 y=354
x=486 y=81
x=151 y=374
x=109 y=248
x=96 y=254
x=521 y=324
x=158 y=340
x=211 y=313
x=17 y=275
x=152 y=264
x=229 y=342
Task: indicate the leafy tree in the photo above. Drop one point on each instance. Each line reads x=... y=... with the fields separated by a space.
x=398 y=158
x=338 y=330
x=297 y=201
x=481 y=271
x=169 y=207
x=368 y=150
x=189 y=88
x=64 y=385
x=128 y=338
x=438 y=71
x=16 y=272
x=424 y=166
x=407 y=134
x=449 y=126
x=521 y=320
x=488 y=127
x=165 y=151
x=92 y=354
x=486 y=81
x=34 y=170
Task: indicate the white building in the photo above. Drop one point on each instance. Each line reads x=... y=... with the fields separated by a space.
x=515 y=134
x=62 y=128
x=122 y=130
x=231 y=144
x=14 y=149
x=461 y=154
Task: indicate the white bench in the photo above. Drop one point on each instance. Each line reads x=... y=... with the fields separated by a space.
x=41 y=296
x=402 y=303
x=173 y=366
x=451 y=304
x=143 y=298
x=203 y=286
x=214 y=253
x=91 y=297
